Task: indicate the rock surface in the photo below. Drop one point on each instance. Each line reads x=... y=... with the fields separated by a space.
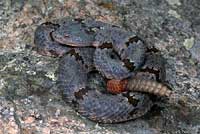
x=29 y=98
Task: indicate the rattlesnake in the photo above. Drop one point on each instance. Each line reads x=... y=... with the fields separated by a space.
x=96 y=56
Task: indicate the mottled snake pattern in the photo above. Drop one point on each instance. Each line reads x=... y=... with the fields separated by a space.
x=105 y=72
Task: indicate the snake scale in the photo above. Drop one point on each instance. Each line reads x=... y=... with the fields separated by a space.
x=103 y=70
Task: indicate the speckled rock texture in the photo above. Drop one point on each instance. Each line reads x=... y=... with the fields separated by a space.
x=29 y=98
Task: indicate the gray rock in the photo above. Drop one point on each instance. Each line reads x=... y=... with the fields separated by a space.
x=164 y=24
x=195 y=50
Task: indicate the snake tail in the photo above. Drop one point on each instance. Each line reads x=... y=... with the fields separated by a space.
x=149 y=86
x=138 y=85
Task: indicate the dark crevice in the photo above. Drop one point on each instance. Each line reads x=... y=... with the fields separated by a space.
x=79 y=20
x=133 y=101
x=129 y=65
x=154 y=111
x=77 y=56
x=52 y=24
x=112 y=56
x=86 y=66
x=106 y=45
x=115 y=26
x=153 y=50
x=79 y=95
x=54 y=53
x=51 y=36
x=134 y=39
x=152 y=71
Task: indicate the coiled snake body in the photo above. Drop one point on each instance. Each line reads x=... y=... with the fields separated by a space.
x=99 y=60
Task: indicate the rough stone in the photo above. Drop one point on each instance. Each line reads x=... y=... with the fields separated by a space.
x=30 y=102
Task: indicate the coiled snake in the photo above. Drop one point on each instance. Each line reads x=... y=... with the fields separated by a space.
x=99 y=60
